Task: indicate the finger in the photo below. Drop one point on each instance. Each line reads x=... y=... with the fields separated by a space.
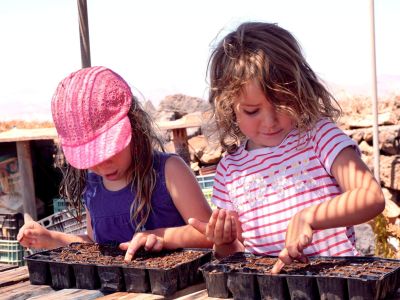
x=227 y=235
x=151 y=240
x=211 y=225
x=293 y=251
x=277 y=266
x=219 y=226
x=234 y=228
x=134 y=245
x=303 y=258
x=285 y=257
x=124 y=246
x=158 y=246
x=198 y=225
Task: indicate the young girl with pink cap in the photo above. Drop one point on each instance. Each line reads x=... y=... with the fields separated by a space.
x=134 y=194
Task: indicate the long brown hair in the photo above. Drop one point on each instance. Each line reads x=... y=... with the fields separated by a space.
x=270 y=55
x=142 y=174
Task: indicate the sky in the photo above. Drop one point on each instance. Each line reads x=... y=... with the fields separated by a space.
x=162 y=47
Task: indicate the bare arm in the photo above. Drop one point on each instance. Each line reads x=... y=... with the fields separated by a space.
x=361 y=200
x=190 y=202
x=34 y=235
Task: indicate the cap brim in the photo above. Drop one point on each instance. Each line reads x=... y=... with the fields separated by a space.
x=103 y=147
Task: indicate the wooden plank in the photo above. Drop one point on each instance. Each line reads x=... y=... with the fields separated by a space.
x=127 y=296
x=65 y=294
x=18 y=134
x=187 y=121
x=14 y=276
x=198 y=289
x=26 y=175
x=5 y=267
x=23 y=290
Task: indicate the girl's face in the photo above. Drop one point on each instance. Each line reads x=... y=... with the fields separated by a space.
x=114 y=170
x=258 y=120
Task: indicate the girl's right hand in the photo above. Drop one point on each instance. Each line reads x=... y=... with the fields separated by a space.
x=148 y=240
x=221 y=229
x=33 y=235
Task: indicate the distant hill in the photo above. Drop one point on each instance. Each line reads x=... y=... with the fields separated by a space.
x=388 y=85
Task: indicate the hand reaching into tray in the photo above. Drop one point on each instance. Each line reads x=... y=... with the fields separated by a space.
x=298 y=237
x=223 y=229
x=149 y=241
x=34 y=235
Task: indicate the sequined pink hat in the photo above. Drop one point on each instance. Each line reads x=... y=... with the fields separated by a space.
x=90 y=110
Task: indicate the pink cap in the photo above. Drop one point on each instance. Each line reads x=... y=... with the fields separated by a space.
x=90 y=110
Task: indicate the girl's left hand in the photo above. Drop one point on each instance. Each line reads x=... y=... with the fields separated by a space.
x=149 y=241
x=298 y=237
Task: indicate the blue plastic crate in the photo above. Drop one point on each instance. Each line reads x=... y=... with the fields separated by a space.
x=206 y=181
x=59 y=204
x=11 y=252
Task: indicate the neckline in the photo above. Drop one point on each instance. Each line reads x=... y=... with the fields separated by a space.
x=266 y=148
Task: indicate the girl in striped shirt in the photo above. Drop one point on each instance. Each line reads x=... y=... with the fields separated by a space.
x=292 y=184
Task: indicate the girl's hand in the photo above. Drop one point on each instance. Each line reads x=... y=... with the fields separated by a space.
x=298 y=237
x=149 y=241
x=221 y=228
x=34 y=235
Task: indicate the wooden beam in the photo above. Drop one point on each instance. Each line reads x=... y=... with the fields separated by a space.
x=27 y=184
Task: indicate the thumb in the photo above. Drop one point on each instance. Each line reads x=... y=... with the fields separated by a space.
x=124 y=246
x=198 y=225
x=304 y=242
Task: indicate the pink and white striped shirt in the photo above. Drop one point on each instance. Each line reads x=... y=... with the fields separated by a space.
x=267 y=186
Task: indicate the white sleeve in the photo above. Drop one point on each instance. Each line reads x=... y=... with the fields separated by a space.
x=328 y=141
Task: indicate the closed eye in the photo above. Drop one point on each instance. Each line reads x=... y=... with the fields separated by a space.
x=251 y=112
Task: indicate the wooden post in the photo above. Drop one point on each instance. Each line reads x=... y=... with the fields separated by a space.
x=180 y=141
x=26 y=173
x=84 y=33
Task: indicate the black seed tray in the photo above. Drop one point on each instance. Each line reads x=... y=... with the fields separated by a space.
x=93 y=266
x=247 y=276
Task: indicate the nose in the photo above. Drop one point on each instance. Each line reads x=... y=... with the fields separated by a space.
x=269 y=119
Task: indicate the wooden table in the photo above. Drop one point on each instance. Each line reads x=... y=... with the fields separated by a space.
x=15 y=285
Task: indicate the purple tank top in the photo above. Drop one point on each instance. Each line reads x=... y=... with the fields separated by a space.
x=110 y=210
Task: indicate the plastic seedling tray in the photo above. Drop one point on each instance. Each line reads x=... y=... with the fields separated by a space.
x=247 y=276
x=136 y=279
x=93 y=266
x=216 y=277
x=86 y=276
x=111 y=278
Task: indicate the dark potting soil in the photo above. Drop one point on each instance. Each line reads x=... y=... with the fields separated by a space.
x=112 y=255
x=354 y=267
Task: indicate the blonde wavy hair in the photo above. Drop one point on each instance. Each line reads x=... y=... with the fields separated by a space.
x=142 y=174
x=270 y=55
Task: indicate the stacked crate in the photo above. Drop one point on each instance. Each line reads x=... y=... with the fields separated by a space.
x=206 y=183
x=11 y=252
x=65 y=221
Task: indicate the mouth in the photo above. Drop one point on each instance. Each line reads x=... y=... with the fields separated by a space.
x=112 y=175
x=273 y=133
